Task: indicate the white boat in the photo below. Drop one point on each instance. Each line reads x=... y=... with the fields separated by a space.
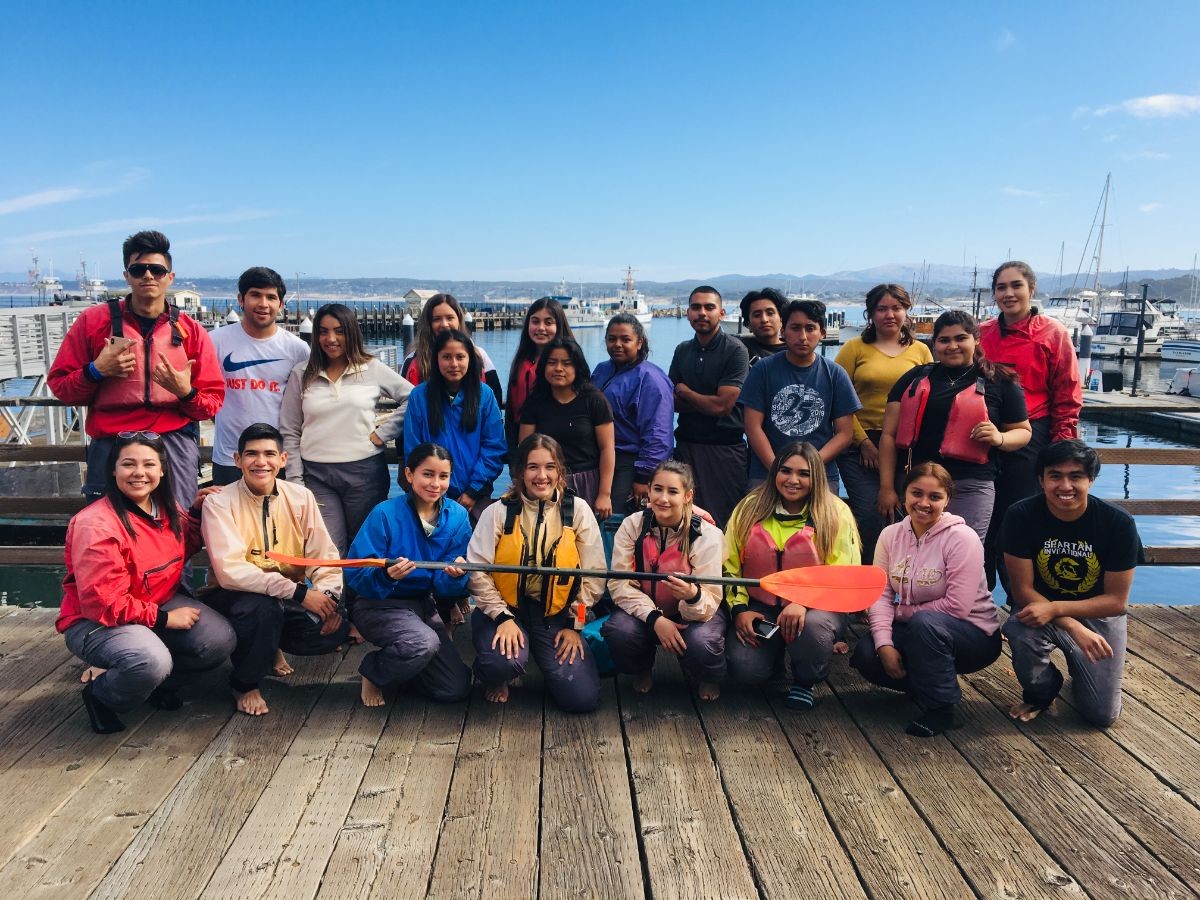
x=1181 y=350
x=596 y=313
x=1074 y=312
x=1118 y=331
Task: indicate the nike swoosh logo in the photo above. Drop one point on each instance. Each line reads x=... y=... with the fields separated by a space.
x=230 y=366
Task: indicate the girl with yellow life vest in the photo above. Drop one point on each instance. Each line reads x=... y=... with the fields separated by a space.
x=686 y=619
x=538 y=522
x=961 y=412
x=789 y=521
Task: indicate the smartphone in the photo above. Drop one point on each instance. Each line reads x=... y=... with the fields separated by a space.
x=122 y=343
x=765 y=628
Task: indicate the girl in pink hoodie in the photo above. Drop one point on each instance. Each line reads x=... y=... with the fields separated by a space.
x=935 y=618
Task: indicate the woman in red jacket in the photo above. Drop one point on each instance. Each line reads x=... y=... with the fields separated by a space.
x=124 y=610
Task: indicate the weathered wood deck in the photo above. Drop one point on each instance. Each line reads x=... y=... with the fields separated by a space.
x=651 y=796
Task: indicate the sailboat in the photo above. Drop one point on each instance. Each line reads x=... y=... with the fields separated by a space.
x=1185 y=346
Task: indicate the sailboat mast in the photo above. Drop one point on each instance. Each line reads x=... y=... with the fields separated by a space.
x=1100 y=239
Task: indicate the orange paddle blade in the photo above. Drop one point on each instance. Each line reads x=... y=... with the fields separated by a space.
x=340 y=563
x=843 y=589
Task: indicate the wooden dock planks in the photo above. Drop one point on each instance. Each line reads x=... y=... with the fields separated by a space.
x=652 y=795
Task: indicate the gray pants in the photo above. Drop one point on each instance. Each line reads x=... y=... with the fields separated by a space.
x=183 y=460
x=973 y=499
x=720 y=471
x=573 y=687
x=862 y=489
x=810 y=652
x=632 y=645
x=139 y=659
x=346 y=493
x=414 y=647
x=936 y=648
x=1097 y=685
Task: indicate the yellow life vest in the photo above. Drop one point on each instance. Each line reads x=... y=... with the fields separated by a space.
x=558 y=591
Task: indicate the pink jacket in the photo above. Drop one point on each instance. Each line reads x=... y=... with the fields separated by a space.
x=941 y=571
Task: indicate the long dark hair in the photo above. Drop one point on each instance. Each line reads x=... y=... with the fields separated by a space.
x=470 y=387
x=423 y=335
x=989 y=370
x=163 y=495
x=526 y=349
x=582 y=385
x=352 y=339
x=874 y=297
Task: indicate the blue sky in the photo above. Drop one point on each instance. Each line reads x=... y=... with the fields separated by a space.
x=547 y=140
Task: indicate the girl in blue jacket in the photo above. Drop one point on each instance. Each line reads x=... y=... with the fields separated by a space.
x=397 y=608
x=452 y=409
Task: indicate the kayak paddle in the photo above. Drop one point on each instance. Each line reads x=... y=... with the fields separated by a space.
x=831 y=588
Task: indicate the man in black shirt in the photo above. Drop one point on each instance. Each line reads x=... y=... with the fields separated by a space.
x=762 y=313
x=708 y=372
x=1070 y=560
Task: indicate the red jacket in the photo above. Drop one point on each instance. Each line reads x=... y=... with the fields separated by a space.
x=115 y=579
x=1040 y=350
x=69 y=381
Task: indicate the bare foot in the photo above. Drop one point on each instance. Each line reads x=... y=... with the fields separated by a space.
x=643 y=682
x=281 y=667
x=91 y=673
x=252 y=703
x=496 y=693
x=841 y=647
x=371 y=693
x=708 y=690
x=1027 y=712
x=355 y=635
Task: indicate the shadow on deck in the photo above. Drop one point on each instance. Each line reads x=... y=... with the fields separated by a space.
x=653 y=795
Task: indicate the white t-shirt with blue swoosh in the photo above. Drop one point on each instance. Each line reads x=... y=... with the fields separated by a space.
x=255 y=372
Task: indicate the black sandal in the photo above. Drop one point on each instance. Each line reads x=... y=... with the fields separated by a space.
x=102 y=719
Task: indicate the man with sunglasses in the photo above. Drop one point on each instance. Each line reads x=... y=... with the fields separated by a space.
x=139 y=364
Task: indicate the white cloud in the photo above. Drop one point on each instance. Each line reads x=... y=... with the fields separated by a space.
x=1022 y=192
x=1004 y=41
x=125 y=226
x=54 y=196
x=1156 y=155
x=1110 y=138
x=1155 y=106
x=1149 y=207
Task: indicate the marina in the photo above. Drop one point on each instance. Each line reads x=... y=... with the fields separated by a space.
x=653 y=795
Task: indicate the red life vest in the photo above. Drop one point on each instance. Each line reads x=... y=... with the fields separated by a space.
x=648 y=556
x=138 y=388
x=762 y=556
x=968 y=410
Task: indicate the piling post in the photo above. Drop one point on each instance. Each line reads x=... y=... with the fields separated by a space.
x=1141 y=342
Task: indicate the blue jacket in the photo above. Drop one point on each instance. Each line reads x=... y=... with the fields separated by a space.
x=392 y=530
x=479 y=456
x=643 y=407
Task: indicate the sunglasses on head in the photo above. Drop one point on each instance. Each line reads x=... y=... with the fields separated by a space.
x=139 y=270
x=138 y=436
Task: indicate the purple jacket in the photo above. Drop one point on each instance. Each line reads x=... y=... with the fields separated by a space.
x=643 y=407
x=941 y=571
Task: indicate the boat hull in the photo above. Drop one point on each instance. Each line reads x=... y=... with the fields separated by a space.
x=1181 y=351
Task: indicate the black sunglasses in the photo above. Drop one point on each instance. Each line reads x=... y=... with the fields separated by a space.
x=139 y=270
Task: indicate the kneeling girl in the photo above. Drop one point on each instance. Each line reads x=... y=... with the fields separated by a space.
x=685 y=618
x=789 y=521
x=538 y=522
x=936 y=617
x=397 y=608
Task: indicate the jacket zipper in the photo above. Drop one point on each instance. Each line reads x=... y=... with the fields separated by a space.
x=146 y=575
x=148 y=343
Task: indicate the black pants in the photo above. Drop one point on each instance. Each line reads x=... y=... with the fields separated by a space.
x=265 y=624
x=1016 y=481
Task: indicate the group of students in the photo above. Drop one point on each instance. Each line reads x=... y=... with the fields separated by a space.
x=581 y=447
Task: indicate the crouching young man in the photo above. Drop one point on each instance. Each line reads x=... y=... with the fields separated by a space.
x=272 y=607
x=1070 y=560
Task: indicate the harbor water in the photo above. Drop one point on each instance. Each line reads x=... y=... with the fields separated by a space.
x=1158 y=584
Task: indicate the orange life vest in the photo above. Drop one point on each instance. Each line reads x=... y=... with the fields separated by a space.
x=968 y=409
x=138 y=388
x=762 y=556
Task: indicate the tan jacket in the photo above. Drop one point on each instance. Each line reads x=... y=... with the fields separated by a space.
x=704 y=554
x=482 y=549
x=237 y=533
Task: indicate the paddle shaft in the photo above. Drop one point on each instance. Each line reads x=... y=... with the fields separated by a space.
x=581 y=573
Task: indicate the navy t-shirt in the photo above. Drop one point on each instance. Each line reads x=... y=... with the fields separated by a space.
x=1070 y=558
x=1005 y=406
x=798 y=403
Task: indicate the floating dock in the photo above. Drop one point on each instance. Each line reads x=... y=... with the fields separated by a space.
x=653 y=795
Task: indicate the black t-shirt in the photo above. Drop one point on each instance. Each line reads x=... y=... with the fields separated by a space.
x=573 y=425
x=704 y=369
x=759 y=351
x=1005 y=406
x=1070 y=558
